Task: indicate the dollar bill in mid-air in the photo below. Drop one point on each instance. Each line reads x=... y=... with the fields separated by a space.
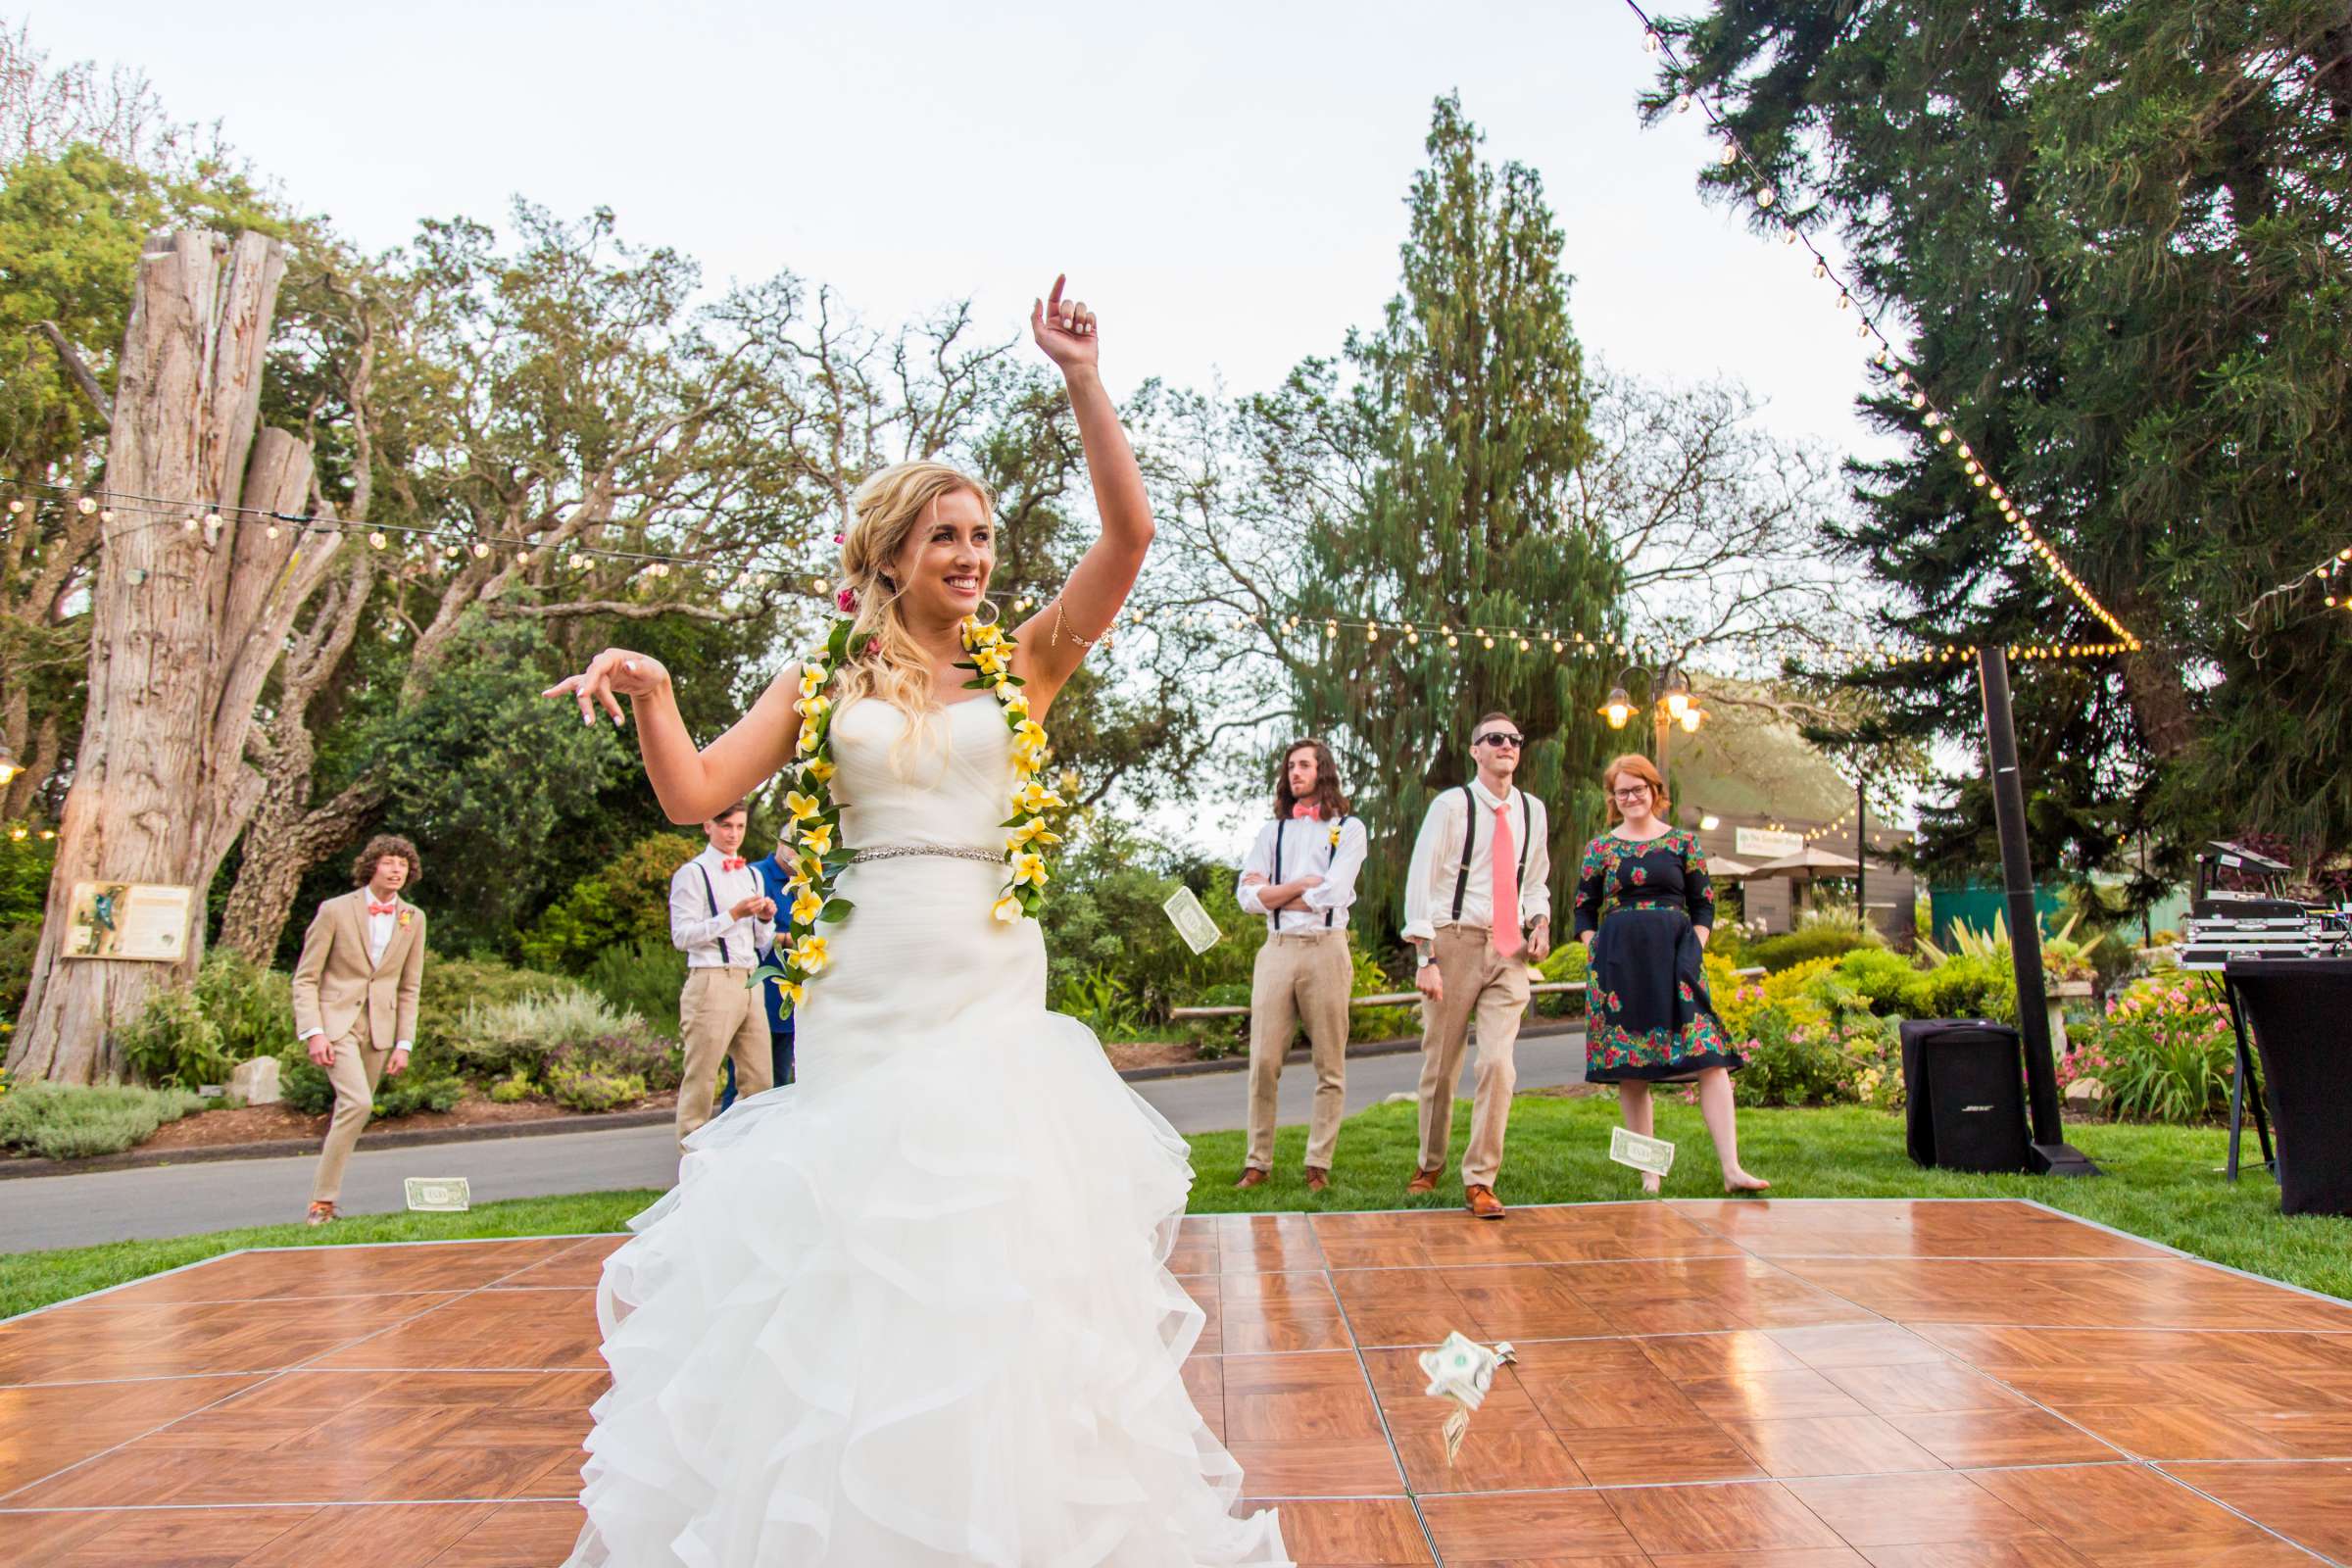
x=1193 y=923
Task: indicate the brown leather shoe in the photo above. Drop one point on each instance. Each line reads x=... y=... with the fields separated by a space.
x=1251 y=1176
x=1317 y=1178
x=1483 y=1204
x=322 y=1211
x=1424 y=1181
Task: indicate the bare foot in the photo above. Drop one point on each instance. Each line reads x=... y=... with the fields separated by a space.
x=1649 y=1183
x=1739 y=1181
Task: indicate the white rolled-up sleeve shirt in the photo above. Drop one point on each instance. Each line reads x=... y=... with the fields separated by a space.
x=1306 y=850
x=1436 y=865
x=717 y=941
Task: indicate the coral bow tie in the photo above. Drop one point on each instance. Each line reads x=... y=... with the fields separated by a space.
x=1307 y=809
x=731 y=863
x=384 y=908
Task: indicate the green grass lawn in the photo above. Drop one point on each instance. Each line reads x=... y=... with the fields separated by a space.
x=2162 y=1183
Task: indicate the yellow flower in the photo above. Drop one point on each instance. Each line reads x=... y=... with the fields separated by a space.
x=989 y=660
x=1015 y=700
x=1008 y=909
x=818 y=839
x=988 y=636
x=812 y=679
x=803 y=872
x=807 y=741
x=791 y=990
x=1029 y=732
x=1035 y=798
x=802 y=806
x=1335 y=835
x=807 y=907
x=809 y=955
x=1032 y=831
x=821 y=770
x=1027 y=761
x=814 y=706
x=1028 y=868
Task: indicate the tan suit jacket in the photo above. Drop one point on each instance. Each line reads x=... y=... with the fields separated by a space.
x=334 y=983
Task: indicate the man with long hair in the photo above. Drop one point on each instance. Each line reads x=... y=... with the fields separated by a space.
x=355 y=997
x=1478 y=912
x=1300 y=877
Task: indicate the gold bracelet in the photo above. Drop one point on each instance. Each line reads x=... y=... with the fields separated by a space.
x=1060 y=616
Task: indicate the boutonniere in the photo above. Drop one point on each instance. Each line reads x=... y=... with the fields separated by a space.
x=404 y=918
x=1335 y=835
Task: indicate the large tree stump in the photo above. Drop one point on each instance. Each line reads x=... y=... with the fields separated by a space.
x=185 y=626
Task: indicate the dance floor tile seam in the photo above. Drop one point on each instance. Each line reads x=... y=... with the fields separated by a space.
x=1685 y=1371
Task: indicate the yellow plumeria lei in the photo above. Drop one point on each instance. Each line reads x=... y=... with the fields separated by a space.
x=819 y=861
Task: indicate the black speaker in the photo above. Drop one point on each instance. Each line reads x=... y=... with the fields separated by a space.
x=2300 y=1014
x=1964 y=1095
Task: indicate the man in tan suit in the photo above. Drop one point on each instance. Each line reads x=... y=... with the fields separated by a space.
x=355 y=997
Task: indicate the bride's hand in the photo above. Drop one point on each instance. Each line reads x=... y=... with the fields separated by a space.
x=1065 y=329
x=615 y=672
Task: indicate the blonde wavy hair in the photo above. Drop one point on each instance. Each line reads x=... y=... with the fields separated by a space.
x=885 y=661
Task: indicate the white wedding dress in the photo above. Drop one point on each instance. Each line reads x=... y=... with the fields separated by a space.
x=913 y=1309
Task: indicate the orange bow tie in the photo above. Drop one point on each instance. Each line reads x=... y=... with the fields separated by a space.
x=383 y=908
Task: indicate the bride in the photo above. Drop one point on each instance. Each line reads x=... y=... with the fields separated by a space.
x=913 y=1309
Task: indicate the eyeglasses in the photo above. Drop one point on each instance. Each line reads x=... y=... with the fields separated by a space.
x=1633 y=793
x=1502 y=737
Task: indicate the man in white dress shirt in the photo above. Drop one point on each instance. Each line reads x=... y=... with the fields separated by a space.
x=1478 y=912
x=1300 y=877
x=355 y=997
x=721 y=919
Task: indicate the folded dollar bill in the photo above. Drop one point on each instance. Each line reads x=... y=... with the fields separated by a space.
x=439 y=1194
x=1654 y=1155
x=1462 y=1370
x=1193 y=923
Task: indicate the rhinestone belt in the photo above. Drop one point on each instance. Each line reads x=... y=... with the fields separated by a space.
x=957 y=852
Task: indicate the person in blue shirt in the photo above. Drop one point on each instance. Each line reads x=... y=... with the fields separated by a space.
x=779 y=1025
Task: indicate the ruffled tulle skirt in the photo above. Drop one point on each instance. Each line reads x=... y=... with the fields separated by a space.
x=915 y=1310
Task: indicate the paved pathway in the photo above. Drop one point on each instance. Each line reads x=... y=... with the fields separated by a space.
x=46 y=1211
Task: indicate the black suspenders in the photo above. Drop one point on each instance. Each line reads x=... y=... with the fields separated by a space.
x=1274 y=920
x=726 y=954
x=1527 y=830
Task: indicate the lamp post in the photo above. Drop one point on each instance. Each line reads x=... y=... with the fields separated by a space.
x=1672 y=702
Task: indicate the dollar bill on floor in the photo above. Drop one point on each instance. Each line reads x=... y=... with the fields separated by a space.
x=1463 y=1371
x=439 y=1194
x=1193 y=923
x=1651 y=1155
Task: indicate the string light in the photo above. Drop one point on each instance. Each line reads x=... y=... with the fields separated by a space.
x=1883 y=359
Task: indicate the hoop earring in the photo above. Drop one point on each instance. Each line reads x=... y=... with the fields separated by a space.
x=993 y=614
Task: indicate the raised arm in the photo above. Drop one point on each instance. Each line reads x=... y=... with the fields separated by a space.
x=1056 y=639
x=691 y=785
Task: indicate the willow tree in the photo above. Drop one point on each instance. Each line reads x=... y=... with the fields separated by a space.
x=1466 y=425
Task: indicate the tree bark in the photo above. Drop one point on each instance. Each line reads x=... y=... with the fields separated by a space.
x=186 y=623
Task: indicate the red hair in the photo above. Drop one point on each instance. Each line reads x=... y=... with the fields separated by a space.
x=1640 y=768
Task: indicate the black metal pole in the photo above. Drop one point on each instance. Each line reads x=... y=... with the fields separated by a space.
x=1861 y=838
x=2051 y=1152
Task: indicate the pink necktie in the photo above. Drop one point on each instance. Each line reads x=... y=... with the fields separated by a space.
x=1504 y=922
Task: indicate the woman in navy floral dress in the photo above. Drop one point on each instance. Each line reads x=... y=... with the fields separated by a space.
x=1644 y=906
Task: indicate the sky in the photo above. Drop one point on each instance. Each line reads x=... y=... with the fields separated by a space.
x=1224 y=183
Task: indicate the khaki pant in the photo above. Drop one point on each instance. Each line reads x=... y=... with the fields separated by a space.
x=720 y=1016
x=356 y=1070
x=1477 y=982
x=1302 y=977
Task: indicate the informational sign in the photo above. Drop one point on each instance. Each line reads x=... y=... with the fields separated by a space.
x=1766 y=843
x=145 y=921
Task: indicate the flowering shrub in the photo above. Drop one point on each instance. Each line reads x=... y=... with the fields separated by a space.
x=2163 y=1050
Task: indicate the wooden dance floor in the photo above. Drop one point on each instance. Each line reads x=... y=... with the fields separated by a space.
x=1789 y=1385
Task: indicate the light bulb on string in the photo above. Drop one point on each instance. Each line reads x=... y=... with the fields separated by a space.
x=1764 y=196
x=85 y=506
x=1682 y=103
x=1730 y=153
x=1651 y=41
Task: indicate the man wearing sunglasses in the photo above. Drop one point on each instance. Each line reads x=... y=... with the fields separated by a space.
x=1478 y=912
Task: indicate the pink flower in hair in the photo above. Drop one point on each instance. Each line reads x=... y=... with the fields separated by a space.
x=847 y=598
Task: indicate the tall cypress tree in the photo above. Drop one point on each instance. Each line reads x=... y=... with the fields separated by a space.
x=1471 y=407
x=2117 y=228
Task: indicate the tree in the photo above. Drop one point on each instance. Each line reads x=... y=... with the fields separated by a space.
x=1433 y=490
x=2115 y=231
